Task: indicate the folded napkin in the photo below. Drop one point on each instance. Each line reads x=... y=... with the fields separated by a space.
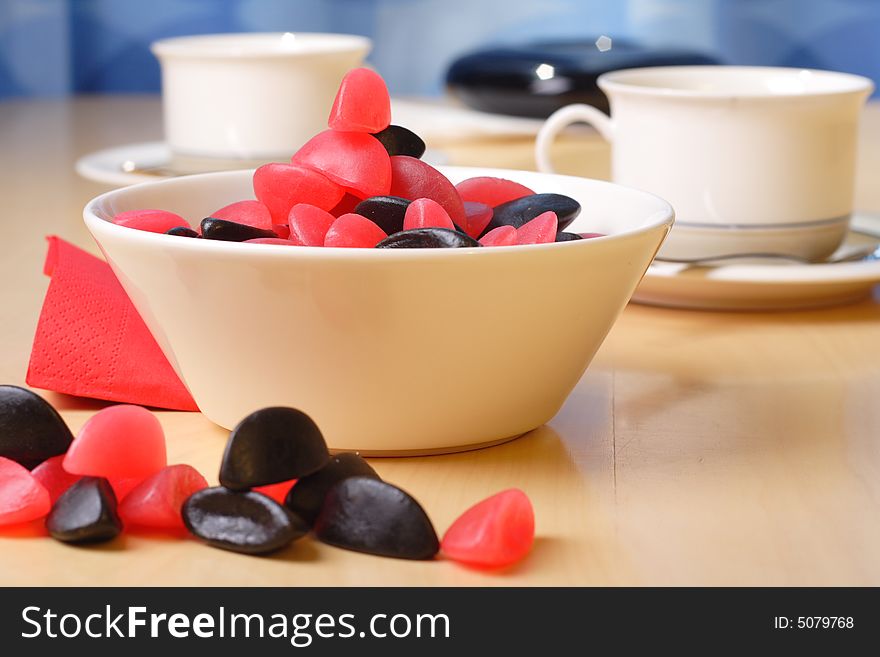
x=91 y=342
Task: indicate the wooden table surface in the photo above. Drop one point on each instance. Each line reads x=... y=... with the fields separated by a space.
x=699 y=448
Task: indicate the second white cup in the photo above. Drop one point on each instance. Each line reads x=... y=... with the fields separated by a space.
x=753 y=159
x=251 y=96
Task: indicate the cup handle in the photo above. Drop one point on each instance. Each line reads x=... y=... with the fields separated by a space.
x=562 y=118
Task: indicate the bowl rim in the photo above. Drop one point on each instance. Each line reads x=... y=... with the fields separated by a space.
x=97 y=225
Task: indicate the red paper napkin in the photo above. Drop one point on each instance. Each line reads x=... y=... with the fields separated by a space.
x=91 y=342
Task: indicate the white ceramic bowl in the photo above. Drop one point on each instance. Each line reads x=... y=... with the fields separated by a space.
x=390 y=351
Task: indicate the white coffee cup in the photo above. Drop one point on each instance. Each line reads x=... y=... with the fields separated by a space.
x=251 y=96
x=753 y=159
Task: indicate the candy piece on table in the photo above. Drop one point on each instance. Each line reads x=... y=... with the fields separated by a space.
x=522 y=210
x=398 y=140
x=119 y=442
x=22 y=497
x=477 y=217
x=426 y=213
x=589 y=236
x=368 y=515
x=229 y=231
x=152 y=221
x=272 y=445
x=362 y=103
x=85 y=513
x=280 y=186
x=307 y=497
x=562 y=236
x=282 y=231
x=491 y=191
x=249 y=213
x=246 y=522
x=279 y=491
x=354 y=231
x=499 y=531
x=387 y=212
x=309 y=224
x=156 y=502
x=30 y=429
x=501 y=236
x=54 y=477
x=353 y=160
x=411 y=178
x=540 y=230
x=272 y=240
x=428 y=238
x=183 y=231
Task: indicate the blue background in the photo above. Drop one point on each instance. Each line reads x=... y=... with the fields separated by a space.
x=54 y=47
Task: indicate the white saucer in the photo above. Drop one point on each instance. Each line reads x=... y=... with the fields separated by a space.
x=134 y=163
x=781 y=286
x=127 y=165
x=437 y=121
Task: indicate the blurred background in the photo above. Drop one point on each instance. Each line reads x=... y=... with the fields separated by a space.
x=57 y=47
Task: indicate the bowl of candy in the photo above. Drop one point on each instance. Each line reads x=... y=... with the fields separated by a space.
x=408 y=309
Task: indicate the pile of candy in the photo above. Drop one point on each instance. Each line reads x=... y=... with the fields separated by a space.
x=361 y=184
x=278 y=482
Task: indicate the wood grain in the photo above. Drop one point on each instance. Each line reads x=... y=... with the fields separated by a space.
x=699 y=448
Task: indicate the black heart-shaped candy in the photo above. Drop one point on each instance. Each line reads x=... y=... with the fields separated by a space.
x=398 y=140
x=307 y=497
x=247 y=522
x=182 y=231
x=230 y=231
x=85 y=513
x=387 y=212
x=368 y=515
x=272 y=445
x=428 y=238
x=31 y=431
x=522 y=210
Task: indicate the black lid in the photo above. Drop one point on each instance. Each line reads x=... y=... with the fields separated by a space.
x=538 y=78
